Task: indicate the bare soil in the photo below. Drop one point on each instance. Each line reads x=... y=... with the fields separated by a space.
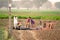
x=33 y=34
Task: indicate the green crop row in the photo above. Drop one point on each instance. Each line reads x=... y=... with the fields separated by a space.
x=52 y=15
x=36 y=17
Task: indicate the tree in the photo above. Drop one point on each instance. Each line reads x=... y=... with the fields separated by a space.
x=38 y=3
x=57 y=4
x=3 y=3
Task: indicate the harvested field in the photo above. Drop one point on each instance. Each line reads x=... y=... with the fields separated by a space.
x=37 y=34
x=33 y=34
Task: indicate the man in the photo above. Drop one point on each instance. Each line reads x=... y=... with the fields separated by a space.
x=15 y=21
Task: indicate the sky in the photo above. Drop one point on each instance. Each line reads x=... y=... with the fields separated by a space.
x=54 y=0
x=48 y=0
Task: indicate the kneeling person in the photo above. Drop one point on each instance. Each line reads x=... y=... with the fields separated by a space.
x=19 y=24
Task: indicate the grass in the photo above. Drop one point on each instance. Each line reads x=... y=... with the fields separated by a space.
x=51 y=15
x=4 y=34
x=1 y=34
x=36 y=13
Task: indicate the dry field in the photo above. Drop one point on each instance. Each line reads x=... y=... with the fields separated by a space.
x=33 y=34
x=36 y=34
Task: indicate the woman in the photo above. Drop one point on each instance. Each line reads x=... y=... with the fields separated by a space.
x=29 y=22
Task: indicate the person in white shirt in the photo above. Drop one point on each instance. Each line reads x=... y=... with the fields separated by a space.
x=15 y=21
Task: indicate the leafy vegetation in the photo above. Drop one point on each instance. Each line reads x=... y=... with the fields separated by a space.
x=51 y=15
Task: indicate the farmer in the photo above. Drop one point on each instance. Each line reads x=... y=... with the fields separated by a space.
x=45 y=25
x=48 y=25
x=19 y=24
x=51 y=25
x=41 y=24
x=15 y=21
x=30 y=22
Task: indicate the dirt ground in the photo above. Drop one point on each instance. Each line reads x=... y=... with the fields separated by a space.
x=34 y=34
